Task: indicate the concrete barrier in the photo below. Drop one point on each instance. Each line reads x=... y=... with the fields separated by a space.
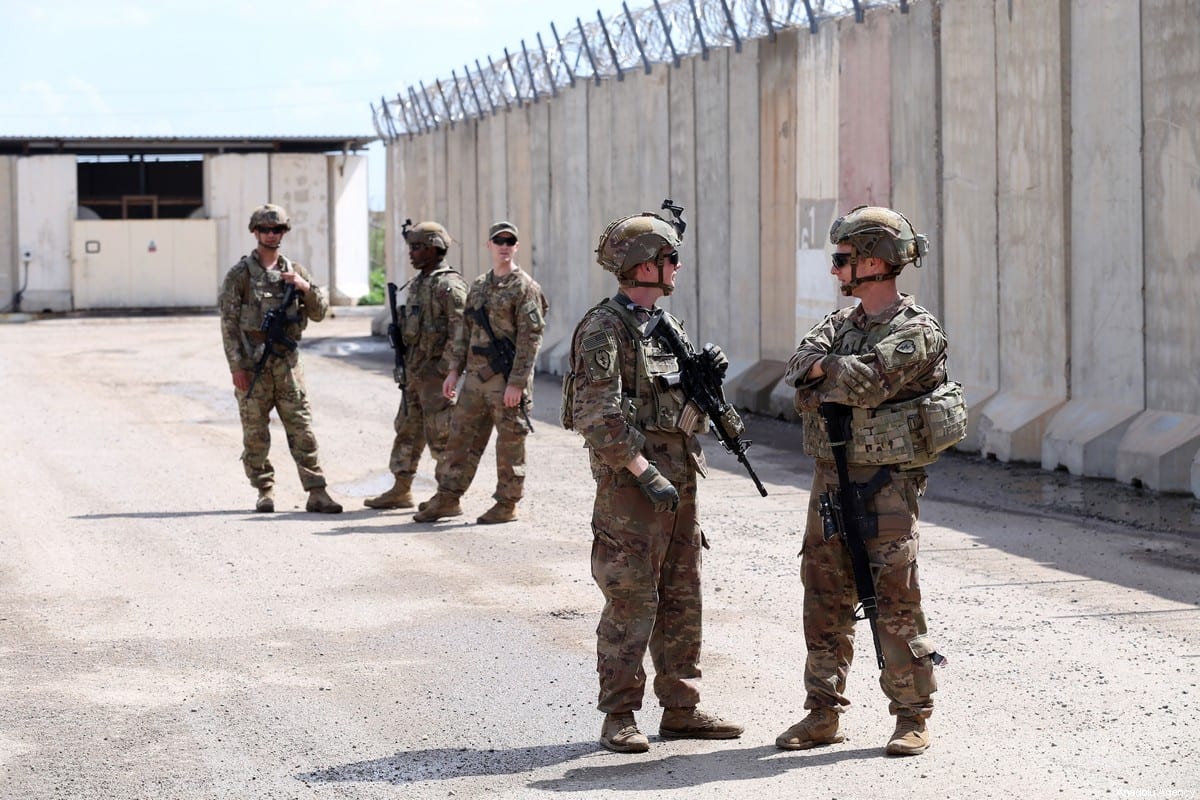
x=1083 y=436
x=751 y=388
x=1011 y=426
x=1158 y=451
x=1010 y=133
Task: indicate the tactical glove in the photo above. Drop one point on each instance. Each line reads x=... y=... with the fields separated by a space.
x=717 y=357
x=658 y=490
x=849 y=374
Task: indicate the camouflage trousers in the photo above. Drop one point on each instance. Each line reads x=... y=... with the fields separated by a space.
x=647 y=564
x=427 y=422
x=830 y=597
x=280 y=387
x=480 y=408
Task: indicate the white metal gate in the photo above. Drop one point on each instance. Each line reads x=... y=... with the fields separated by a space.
x=163 y=263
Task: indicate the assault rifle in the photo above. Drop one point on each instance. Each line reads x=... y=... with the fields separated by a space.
x=396 y=340
x=700 y=379
x=500 y=354
x=274 y=326
x=845 y=514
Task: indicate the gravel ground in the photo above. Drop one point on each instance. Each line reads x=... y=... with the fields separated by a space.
x=159 y=640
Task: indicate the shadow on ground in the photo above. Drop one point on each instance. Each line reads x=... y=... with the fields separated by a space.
x=601 y=770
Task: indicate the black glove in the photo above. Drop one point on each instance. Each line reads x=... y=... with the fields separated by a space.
x=849 y=374
x=658 y=490
x=717 y=357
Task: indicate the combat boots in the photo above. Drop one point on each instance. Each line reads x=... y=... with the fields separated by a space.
x=692 y=723
x=440 y=505
x=911 y=737
x=266 y=500
x=621 y=735
x=819 y=727
x=320 y=502
x=503 y=511
x=399 y=496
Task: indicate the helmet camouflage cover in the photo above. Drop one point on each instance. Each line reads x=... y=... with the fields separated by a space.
x=270 y=215
x=428 y=233
x=877 y=232
x=629 y=241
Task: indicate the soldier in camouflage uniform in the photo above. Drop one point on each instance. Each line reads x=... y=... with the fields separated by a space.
x=253 y=288
x=641 y=435
x=886 y=358
x=516 y=311
x=431 y=320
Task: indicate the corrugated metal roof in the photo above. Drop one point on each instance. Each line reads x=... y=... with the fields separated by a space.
x=160 y=145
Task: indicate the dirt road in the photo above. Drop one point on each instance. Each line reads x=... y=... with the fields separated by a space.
x=160 y=640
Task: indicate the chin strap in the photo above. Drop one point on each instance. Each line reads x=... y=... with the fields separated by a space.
x=855 y=281
x=661 y=284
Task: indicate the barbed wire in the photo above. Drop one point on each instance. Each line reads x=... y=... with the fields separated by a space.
x=665 y=32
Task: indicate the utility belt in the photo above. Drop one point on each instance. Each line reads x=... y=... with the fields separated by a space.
x=911 y=432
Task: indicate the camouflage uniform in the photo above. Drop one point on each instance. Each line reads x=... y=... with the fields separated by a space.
x=906 y=349
x=516 y=310
x=646 y=563
x=249 y=292
x=431 y=321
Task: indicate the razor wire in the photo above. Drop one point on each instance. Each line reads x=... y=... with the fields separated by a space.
x=594 y=50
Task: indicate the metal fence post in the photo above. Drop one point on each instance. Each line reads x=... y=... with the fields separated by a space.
x=612 y=51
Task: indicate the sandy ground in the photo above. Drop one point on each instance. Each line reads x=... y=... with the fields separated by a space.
x=159 y=640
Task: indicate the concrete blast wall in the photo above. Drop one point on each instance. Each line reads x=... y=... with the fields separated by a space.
x=326 y=198
x=1048 y=148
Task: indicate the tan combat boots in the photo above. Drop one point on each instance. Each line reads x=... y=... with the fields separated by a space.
x=399 y=496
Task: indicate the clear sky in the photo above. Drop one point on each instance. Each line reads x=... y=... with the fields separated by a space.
x=221 y=68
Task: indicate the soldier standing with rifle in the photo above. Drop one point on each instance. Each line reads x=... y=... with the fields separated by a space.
x=625 y=395
x=876 y=408
x=266 y=301
x=423 y=330
x=505 y=316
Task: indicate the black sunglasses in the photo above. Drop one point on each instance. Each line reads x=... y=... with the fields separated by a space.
x=276 y=229
x=673 y=258
x=841 y=259
x=506 y=241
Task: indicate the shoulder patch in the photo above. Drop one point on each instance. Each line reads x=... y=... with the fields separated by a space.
x=534 y=314
x=599 y=350
x=898 y=351
x=597 y=339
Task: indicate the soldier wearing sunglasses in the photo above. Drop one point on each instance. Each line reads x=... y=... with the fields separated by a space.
x=881 y=363
x=622 y=394
x=258 y=286
x=514 y=308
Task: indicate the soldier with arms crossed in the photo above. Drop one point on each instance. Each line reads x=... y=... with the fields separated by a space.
x=641 y=435
x=254 y=288
x=886 y=358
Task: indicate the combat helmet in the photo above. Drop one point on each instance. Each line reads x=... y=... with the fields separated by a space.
x=428 y=233
x=270 y=215
x=631 y=240
x=877 y=232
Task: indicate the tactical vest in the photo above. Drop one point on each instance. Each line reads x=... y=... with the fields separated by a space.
x=413 y=324
x=909 y=432
x=262 y=293
x=654 y=401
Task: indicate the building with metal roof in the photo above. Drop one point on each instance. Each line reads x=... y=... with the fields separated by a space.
x=155 y=222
